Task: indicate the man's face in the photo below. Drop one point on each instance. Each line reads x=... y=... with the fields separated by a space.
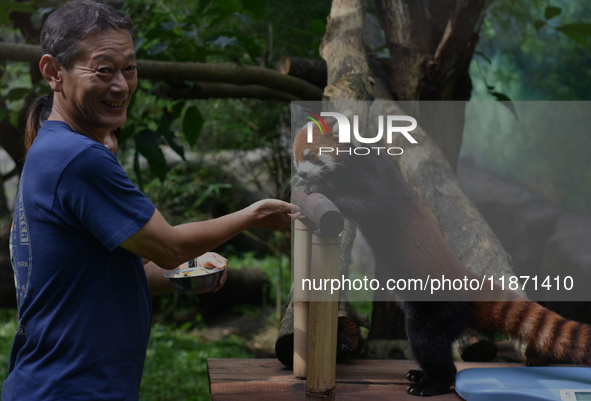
x=98 y=88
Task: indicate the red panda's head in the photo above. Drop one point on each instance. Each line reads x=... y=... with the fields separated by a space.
x=313 y=160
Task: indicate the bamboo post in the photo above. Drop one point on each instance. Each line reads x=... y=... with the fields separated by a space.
x=323 y=320
x=318 y=257
x=302 y=246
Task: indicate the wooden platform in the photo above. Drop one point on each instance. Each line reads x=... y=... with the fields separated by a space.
x=360 y=380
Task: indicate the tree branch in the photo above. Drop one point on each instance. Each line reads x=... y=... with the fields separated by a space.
x=228 y=73
x=20 y=52
x=207 y=90
x=313 y=71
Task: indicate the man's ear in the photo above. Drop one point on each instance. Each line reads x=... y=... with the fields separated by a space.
x=51 y=71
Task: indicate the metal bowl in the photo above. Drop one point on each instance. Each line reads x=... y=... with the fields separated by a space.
x=195 y=280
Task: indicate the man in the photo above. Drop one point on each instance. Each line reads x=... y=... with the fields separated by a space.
x=81 y=228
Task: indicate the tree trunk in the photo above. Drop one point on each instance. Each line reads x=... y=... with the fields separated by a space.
x=348 y=73
x=430 y=53
x=431 y=44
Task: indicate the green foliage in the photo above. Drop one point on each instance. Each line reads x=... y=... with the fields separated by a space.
x=271 y=265
x=243 y=124
x=246 y=31
x=176 y=364
x=192 y=124
x=578 y=31
x=200 y=31
x=546 y=148
x=8 y=323
x=211 y=31
x=176 y=361
x=8 y=6
x=192 y=190
x=532 y=50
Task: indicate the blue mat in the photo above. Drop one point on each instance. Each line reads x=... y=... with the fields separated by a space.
x=524 y=384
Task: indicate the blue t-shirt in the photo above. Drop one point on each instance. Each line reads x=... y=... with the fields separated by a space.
x=84 y=302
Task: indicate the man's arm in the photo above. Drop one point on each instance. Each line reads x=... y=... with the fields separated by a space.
x=169 y=246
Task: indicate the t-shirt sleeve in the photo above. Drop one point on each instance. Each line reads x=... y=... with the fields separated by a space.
x=98 y=193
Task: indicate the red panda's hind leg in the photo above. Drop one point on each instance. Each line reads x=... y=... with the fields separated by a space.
x=431 y=328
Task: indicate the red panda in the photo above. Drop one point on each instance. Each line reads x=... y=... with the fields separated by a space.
x=406 y=241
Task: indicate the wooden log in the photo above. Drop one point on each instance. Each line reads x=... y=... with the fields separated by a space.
x=230 y=73
x=320 y=210
x=248 y=285
x=313 y=71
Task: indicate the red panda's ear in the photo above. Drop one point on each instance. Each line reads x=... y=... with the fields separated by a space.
x=335 y=129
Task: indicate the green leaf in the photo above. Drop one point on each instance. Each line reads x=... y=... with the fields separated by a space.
x=177 y=110
x=317 y=26
x=203 y=4
x=137 y=169
x=7 y=5
x=148 y=139
x=579 y=32
x=171 y=140
x=169 y=25
x=229 y=5
x=14 y=119
x=192 y=124
x=157 y=49
x=139 y=43
x=551 y=12
x=255 y=7
x=17 y=93
x=147 y=143
x=38 y=16
x=505 y=101
x=223 y=41
x=125 y=134
x=500 y=96
x=539 y=24
x=484 y=56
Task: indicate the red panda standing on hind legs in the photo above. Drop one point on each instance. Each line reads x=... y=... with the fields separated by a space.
x=406 y=242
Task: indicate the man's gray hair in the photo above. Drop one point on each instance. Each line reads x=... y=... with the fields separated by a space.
x=73 y=22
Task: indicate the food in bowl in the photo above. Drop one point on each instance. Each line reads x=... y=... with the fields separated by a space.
x=194 y=280
x=198 y=271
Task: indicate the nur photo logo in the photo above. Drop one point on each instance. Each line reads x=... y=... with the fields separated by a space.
x=349 y=133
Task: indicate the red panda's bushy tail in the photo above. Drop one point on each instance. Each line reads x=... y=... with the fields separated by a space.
x=549 y=337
